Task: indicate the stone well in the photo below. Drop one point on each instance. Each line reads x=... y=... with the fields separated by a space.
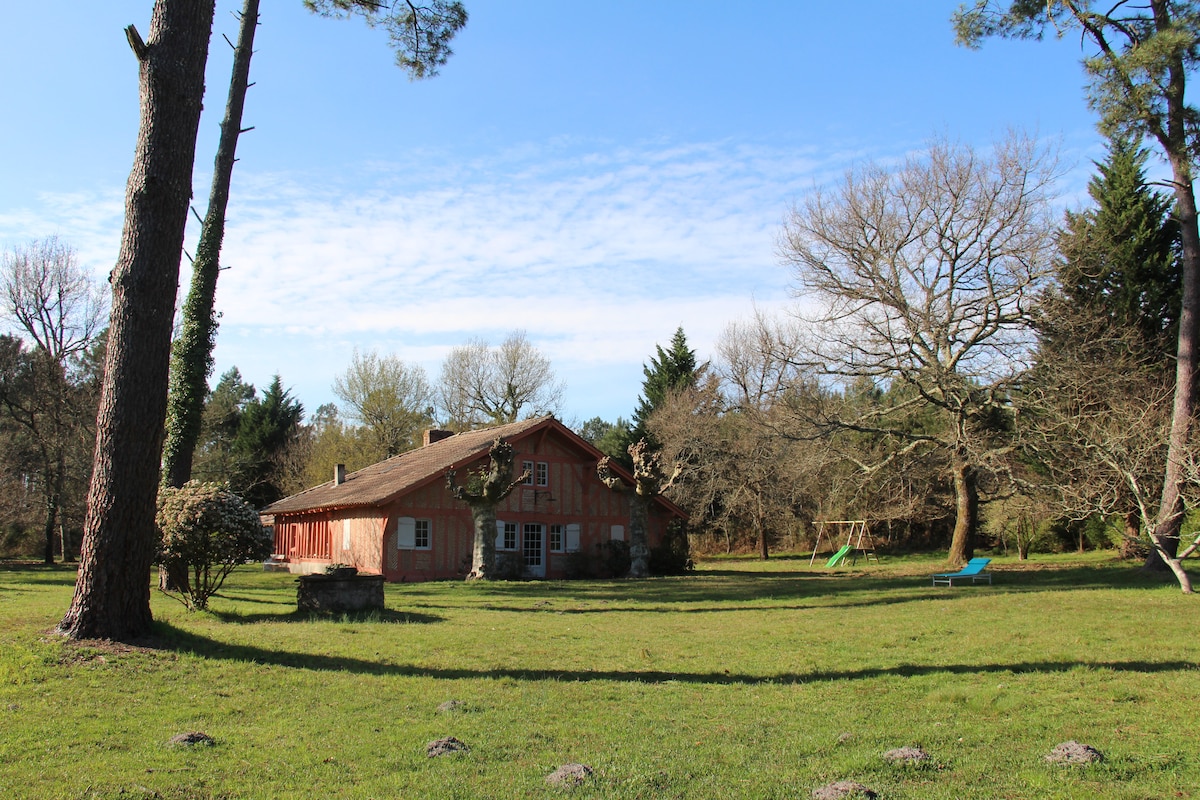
x=339 y=593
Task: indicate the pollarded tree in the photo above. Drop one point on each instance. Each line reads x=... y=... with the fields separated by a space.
x=485 y=385
x=484 y=491
x=924 y=276
x=1140 y=54
x=392 y=400
x=649 y=481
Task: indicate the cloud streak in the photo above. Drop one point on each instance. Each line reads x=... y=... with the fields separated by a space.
x=597 y=252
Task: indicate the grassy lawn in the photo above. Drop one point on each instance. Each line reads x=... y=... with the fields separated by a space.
x=743 y=680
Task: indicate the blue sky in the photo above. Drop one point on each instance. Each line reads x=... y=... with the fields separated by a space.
x=596 y=174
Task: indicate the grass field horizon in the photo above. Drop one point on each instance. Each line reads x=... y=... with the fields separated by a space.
x=744 y=679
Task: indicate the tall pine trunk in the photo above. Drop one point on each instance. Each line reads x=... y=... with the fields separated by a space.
x=112 y=593
x=191 y=356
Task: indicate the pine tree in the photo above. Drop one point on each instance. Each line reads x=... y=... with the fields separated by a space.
x=669 y=371
x=1121 y=258
x=266 y=428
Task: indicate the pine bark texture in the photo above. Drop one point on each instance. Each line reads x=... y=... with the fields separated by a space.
x=191 y=357
x=112 y=593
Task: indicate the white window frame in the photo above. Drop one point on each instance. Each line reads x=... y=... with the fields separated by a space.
x=427 y=534
x=527 y=468
x=542 y=471
x=503 y=530
x=346 y=533
x=556 y=531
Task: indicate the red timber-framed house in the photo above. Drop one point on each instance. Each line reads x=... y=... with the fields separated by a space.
x=398 y=519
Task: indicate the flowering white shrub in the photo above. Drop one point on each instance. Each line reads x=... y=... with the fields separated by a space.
x=207 y=530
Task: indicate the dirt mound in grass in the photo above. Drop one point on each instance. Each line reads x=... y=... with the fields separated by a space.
x=192 y=738
x=445 y=747
x=843 y=789
x=569 y=775
x=906 y=755
x=1073 y=752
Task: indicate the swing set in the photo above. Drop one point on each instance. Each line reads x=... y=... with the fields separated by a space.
x=858 y=540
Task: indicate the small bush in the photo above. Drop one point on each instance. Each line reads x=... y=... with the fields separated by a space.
x=206 y=530
x=509 y=567
x=611 y=559
x=20 y=540
x=673 y=556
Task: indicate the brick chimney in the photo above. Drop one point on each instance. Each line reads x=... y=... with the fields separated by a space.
x=434 y=435
x=339 y=474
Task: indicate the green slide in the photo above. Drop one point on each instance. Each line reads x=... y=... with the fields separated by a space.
x=839 y=555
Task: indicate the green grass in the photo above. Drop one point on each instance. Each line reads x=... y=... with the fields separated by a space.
x=738 y=681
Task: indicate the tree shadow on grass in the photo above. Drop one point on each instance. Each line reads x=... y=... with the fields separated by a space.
x=386 y=616
x=36 y=573
x=733 y=590
x=179 y=640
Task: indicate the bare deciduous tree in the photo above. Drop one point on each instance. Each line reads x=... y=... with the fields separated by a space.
x=48 y=297
x=392 y=400
x=485 y=385
x=924 y=276
x=1096 y=417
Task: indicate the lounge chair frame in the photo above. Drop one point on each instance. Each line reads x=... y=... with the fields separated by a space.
x=973 y=570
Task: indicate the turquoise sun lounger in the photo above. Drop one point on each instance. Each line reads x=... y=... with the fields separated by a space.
x=973 y=570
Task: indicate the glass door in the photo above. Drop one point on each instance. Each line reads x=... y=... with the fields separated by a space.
x=533 y=544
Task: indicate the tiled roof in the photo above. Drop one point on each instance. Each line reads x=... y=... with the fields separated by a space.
x=378 y=483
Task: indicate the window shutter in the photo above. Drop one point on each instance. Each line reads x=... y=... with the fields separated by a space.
x=573 y=538
x=499 y=534
x=406 y=533
x=618 y=533
x=346 y=534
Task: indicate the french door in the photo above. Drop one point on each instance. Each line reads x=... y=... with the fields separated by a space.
x=533 y=548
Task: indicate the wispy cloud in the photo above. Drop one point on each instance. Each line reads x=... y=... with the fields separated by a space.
x=598 y=253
